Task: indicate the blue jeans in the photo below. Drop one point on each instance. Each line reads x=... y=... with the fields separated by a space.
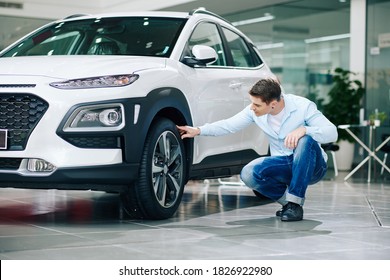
x=286 y=178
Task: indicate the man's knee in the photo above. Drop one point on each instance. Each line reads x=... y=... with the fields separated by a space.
x=247 y=174
x=306 y=140
x=305 y=143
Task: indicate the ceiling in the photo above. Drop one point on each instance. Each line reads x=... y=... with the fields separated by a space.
x=54 y=9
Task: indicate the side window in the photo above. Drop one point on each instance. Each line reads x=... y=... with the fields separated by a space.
x=207 y=34
x=242 y=55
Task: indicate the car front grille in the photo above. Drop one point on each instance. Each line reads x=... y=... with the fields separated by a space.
x=17 y=85
x=19 y=114
x=10 y=163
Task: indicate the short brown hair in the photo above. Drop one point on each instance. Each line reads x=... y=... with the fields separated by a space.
x=267 y=89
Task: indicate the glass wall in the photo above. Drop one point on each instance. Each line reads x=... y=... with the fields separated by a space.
x=13 y=28
x=301 y=41
x=378 y=58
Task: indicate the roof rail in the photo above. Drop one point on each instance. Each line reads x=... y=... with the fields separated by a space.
x=202 y=10
x=76 y=15
x=198 y=10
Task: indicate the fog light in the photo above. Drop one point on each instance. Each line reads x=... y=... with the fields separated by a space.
x=103 y=117
x=39 y=165
x=111 y=117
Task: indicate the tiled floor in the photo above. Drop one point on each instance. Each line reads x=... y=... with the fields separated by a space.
x=342 y=220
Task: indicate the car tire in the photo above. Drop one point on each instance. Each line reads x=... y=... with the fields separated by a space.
x=159 y=188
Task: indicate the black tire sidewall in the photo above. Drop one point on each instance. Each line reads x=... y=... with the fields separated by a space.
x=146 y=196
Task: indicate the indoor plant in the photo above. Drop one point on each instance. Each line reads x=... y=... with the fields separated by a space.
x=345 y=99
x=377 y=118
x=345 y=102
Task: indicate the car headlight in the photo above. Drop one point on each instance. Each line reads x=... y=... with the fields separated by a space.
x=105 y=117
x=97 y=82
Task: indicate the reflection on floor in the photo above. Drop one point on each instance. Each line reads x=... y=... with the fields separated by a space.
x=342 y=220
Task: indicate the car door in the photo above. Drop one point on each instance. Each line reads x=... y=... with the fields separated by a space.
x=249 y=68
x=217 y=93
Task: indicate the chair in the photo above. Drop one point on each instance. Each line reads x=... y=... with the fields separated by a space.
x=332 y=148
x=385 y=149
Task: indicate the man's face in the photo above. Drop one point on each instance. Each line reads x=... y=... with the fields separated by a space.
x=259 y=107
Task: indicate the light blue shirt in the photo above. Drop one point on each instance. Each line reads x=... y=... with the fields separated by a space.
x=299 y=111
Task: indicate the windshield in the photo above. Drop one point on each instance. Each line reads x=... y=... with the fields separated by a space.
x=103 y=36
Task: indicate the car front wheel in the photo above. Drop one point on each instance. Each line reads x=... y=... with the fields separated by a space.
x=159 y=188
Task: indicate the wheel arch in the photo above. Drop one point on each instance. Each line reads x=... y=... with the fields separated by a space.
x=169 y=103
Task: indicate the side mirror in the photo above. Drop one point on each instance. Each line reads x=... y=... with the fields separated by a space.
x=202 y=55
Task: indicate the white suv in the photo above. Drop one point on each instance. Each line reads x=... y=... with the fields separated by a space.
x=91 y=102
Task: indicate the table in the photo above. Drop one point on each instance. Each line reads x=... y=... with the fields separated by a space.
x=370 y=149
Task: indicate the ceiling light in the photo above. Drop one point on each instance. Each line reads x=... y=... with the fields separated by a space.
x=270 y=46
x=266 y=17
x=328 y=38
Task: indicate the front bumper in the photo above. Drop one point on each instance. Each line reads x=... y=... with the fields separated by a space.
x=110 y=178
x=99 y=160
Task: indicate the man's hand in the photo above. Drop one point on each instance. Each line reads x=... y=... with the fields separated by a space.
x=188 y=131
x=291 y=140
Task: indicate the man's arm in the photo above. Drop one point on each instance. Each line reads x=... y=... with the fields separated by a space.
x=319 y=127
x=219 y=128
x=316 y=125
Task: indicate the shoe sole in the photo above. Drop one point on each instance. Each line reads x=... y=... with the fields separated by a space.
x=286 y=219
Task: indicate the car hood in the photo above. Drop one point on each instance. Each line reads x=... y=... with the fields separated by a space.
x=69 y=67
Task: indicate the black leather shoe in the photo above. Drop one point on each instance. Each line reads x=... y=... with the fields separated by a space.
x=280 y=211
x=293 y=212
